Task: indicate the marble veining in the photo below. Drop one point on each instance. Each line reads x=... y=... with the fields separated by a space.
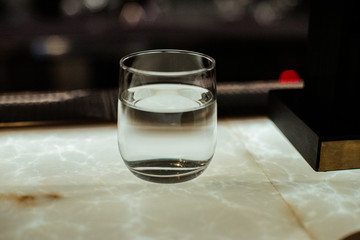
x=69 y=182
x=327 y=203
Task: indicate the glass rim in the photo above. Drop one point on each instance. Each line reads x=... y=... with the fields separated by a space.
x=174 y=73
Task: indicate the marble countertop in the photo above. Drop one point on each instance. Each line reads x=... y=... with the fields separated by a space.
x=69 y=182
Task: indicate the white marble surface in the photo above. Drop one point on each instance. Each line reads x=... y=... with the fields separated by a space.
x=69 y=182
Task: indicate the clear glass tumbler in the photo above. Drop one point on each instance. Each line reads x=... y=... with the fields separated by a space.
x=167 y=114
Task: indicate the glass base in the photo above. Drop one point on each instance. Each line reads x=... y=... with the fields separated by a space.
x=167 y=170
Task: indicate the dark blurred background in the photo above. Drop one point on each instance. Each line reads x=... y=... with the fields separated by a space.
x=75 y=44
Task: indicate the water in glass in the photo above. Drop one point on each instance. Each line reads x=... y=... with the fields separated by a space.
x=167 y=132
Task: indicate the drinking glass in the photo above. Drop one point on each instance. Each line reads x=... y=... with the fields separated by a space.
x=167 y=114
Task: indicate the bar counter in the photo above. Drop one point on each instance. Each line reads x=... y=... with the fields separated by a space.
x=69 y=182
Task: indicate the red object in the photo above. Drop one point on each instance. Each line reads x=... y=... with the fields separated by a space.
x=289 y=76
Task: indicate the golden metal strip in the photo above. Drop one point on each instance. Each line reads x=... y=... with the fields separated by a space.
x=336 y=155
